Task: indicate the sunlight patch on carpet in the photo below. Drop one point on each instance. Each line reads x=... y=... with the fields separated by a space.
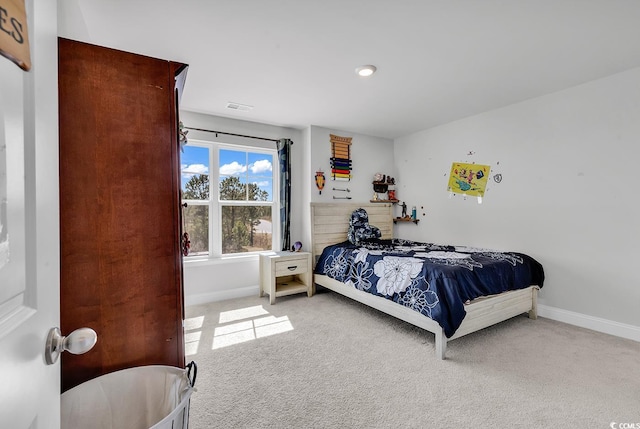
x=192 y=339
x=191 y=342
x=234 y=327
x=242 y=313
x=193 y=323
x=248 y=330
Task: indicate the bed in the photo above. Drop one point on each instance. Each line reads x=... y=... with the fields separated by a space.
x=439 y=313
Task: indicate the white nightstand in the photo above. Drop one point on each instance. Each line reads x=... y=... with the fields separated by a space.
x=285 y=273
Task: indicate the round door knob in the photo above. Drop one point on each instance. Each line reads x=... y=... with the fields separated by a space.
x=79 y=341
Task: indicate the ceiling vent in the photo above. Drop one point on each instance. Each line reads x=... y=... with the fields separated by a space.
x=237 y=106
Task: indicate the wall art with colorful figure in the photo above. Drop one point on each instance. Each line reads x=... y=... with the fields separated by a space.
x=468 y=179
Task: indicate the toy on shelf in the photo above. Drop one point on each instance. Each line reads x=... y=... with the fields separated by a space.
x=405 y=217
x=381 y=185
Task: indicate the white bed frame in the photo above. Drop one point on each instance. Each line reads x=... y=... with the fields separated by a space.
x=329 y=223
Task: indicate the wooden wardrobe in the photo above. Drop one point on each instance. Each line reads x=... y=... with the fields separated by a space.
x=121 y=265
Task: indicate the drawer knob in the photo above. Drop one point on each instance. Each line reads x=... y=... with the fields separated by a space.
x=292 y=268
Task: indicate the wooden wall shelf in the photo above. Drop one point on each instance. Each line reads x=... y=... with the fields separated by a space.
x=399 y=219
x=384 y=201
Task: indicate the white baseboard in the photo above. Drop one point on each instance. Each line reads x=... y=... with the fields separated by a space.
x=204 y=298
x=594 y=323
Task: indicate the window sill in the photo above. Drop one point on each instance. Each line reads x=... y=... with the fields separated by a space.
x=197 y=261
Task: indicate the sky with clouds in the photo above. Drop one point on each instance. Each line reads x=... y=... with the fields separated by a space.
x=251 y=167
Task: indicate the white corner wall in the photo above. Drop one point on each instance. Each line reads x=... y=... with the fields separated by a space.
x=567 y=196
x=369 y=155
x=227 y=278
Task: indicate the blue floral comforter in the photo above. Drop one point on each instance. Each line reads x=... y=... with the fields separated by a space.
x=432 y=279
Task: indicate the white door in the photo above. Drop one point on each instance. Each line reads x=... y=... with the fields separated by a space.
x=29 y=243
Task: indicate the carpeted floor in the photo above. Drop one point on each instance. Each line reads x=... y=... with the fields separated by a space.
x=329 y=362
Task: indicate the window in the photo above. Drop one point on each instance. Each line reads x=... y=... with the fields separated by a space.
x=231 y=210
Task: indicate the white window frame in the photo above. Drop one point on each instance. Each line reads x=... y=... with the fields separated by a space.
x=215 y=204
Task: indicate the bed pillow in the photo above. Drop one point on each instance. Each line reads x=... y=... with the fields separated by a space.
x=359 y=228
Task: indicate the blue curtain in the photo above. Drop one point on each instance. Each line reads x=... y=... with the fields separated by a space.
x=284 y=159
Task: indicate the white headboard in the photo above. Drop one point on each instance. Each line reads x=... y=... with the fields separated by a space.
x=330 y=222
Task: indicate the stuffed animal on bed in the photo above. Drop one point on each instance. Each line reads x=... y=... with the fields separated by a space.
x=359 y=228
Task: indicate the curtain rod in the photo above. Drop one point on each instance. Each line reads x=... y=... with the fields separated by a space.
x=231 y=134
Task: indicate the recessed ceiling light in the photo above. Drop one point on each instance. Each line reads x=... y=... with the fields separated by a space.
x=366 y=71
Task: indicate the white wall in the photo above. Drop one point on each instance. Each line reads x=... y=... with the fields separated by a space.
x=567 y=197
x=308 y=172
x=369 y=154
x=232 y=277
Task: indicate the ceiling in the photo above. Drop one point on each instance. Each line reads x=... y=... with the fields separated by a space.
x=438 y=60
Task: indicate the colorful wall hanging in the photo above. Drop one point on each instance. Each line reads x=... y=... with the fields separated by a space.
x=320 y=180
x=340 y=157
x=468 y=179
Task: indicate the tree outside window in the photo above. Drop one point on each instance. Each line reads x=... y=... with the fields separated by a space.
x=196 y=216
x=243 y=200
x=247 y=227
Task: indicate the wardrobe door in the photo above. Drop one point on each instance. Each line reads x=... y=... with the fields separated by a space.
x=119 y=201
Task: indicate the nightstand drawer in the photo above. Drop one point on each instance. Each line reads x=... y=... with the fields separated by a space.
x=291 y=267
